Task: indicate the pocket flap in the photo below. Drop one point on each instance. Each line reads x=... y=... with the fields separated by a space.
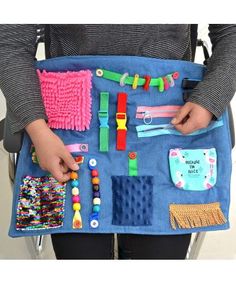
x=193 y=169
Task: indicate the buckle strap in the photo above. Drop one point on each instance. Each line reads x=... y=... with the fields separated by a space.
x=103 y=117
x=133 y=163
x=121 y=119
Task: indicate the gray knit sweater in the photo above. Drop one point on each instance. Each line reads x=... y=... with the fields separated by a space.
x=19 y=82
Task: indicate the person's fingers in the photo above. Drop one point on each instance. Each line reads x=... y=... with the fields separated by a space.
x=186 y=128
x=69 y=160
x=181 y=114
x=64 y=167
x=65 y=170
x=56 y=170
x=66 y=177
x=57 y=173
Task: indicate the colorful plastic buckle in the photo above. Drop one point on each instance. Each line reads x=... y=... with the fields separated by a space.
x=121 y=120
x=103 y=119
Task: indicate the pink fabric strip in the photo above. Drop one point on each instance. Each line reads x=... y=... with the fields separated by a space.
x=67 y=99
x=77 y=147
x=157 y=111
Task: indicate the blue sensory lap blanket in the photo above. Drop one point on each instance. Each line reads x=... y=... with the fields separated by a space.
x=137 y=174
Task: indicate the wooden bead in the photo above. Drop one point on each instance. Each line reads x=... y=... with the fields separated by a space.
x=94 y=173
x=95 y=181
x=74 y=175
x=75 y=183
x=75 y=191
x=96 y=208
x=96 y=201
x=76 y=206
x=76 y=199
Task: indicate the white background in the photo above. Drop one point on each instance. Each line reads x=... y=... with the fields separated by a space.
x=217 y=245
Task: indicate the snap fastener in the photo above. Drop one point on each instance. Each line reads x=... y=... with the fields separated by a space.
x=92 y=163
x=132 y=155
x=84 y=147
x=99 y=72
x=94 y=223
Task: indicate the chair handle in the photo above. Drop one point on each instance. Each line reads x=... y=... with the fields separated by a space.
x=2 y=122
x=11 y=142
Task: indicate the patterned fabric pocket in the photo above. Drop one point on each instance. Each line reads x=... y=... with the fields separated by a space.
x=132 y=200
x=67 y=99
x=40 y=203
x=193 y=169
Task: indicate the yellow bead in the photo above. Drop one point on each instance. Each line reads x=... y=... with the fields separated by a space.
x=76 y=206
x=96 y=201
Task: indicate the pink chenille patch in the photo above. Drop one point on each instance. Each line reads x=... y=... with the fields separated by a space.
x=67 y=99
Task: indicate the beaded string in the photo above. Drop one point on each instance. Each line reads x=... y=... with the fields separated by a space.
x=74 y=176
x=96 y=193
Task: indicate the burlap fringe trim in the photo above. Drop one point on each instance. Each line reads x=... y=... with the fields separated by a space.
x=196 y=215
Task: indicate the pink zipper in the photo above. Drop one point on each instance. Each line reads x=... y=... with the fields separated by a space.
x=157 y=111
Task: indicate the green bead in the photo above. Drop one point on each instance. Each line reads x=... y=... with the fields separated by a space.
x=96 y=208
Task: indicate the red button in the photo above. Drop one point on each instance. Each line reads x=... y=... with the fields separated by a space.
x=175 y=76
x=132 y=155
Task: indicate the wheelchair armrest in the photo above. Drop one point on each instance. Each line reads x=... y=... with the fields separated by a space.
x=11 y=142
x=2 y=122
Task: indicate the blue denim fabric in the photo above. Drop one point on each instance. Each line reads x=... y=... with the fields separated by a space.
x=152 y=151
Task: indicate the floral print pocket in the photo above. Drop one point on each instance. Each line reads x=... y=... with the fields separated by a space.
x=193 y=169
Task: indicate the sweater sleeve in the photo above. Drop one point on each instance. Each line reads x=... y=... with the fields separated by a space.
x=219 y=84
x=18 y=78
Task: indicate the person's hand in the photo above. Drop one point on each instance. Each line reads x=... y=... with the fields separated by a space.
x=52 y=154
x=191 y=117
